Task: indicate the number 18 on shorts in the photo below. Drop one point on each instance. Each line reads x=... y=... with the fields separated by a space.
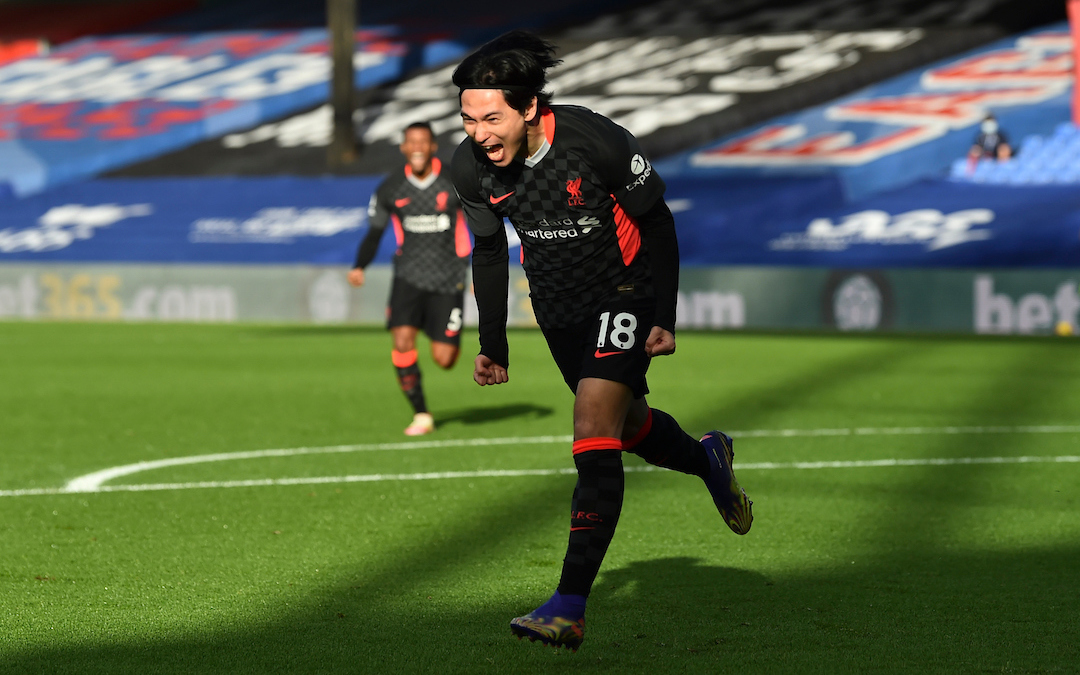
x=609 y=347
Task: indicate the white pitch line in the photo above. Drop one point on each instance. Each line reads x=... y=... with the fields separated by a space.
x=904 y=431
x=94 y=482
x=443 y=475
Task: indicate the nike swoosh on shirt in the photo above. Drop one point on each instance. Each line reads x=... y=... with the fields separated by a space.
x=599 y=354
x=495 y=200
x=401 y=202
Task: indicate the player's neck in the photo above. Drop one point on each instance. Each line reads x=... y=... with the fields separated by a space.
x=424 y=171
x=536 y=135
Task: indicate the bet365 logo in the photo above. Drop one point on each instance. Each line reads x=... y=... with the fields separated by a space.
x=1031 y=313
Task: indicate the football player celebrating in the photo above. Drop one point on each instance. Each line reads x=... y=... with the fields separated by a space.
x=429 y=268
x=602 y=260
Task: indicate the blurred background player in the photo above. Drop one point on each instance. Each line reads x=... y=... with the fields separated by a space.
x=602 y=260
x=429 y=266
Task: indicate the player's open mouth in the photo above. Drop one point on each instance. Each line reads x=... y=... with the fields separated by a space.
x=494 y=152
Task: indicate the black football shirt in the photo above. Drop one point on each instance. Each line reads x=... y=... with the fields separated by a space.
x=432 y=238
x=573 y=205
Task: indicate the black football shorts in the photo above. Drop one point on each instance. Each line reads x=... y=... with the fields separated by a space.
x=610 y=346
x=437 y=314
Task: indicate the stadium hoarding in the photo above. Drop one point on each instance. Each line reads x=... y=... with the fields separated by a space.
x=933 y=223
x=984 y=301
x=802 y=222
x=757 y=254
x=244 y=221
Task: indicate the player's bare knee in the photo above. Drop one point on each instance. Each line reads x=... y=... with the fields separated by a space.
x=444 y=355
x=445 y=361
x=586 y=426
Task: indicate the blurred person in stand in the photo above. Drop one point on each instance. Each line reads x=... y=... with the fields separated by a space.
x=990 y=143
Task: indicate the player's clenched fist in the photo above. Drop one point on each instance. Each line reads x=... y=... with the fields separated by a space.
x=660 y=342
x=486 y=371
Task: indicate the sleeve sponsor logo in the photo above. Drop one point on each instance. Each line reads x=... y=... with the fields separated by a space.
x=923 y=227
x=641 y=168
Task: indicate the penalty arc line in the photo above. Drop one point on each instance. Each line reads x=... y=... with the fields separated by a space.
x=443 y=475
x=94 y=482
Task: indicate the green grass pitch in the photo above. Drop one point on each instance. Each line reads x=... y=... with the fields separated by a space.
x=915 y=504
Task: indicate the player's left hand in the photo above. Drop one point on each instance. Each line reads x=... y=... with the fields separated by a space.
x=660 y=343
x=486 y=371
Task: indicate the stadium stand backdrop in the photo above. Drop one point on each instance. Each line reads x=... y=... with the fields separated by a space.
x=840 y=215
x=106 y=101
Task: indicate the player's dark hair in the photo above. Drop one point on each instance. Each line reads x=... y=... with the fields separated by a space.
x=419 y=125
x=519 y=60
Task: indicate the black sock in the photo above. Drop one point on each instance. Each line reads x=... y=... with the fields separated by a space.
x=594 y=512
x=662 y=442
x=409 y=379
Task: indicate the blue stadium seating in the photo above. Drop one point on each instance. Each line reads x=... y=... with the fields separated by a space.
x=1039 y=160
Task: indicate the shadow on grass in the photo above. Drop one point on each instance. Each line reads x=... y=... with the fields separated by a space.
x=1000 y=612
x=762 y=403
x=492 y=414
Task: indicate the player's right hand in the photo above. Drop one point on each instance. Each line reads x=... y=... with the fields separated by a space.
x=486 y=371
x=356 y=277
x=660 y=342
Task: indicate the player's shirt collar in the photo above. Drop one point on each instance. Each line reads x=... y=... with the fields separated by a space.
x=436 y=167
x=549 y=138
